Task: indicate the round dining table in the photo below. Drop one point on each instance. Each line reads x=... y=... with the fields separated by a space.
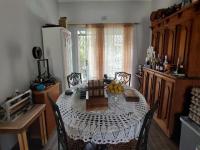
x=119 y=123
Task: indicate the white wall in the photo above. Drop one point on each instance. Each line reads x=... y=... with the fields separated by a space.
x=75 y=54
x=116 y=12
x=20 y=30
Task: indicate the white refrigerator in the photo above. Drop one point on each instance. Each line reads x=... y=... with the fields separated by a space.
x=57 y=45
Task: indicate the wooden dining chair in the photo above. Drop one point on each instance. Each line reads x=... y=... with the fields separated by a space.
x=63 y=140
x=144 y=132
x=74 y=79
x=141 y=143
x=123 y=77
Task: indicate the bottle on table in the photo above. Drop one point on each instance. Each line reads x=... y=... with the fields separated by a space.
x=177 y=66
x=165 y=61
x=158 y=62
x=161 y=66
x=166 y=64
x=153 y=61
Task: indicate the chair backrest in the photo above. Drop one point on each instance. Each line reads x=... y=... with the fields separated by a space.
x=123 y=77
x=143 y=136
x=74 y=79
x=61 y=133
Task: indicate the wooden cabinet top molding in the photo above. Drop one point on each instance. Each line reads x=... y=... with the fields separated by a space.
x=181 y=15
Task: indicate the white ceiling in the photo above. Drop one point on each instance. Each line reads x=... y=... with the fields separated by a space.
x=101 y=0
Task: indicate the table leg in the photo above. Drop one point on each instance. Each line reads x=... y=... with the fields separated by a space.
x=43 y=129
x=22 y=138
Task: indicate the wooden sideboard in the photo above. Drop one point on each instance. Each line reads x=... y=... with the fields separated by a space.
x=171 y=92
x=41 y=98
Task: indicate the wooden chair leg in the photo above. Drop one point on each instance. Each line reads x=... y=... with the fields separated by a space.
x=58 y=144
x=43 y=129
x=23 y=143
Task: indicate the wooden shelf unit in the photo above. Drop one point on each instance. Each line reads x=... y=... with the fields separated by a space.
x=41 y=98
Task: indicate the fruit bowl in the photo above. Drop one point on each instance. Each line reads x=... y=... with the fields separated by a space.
x=115 y=88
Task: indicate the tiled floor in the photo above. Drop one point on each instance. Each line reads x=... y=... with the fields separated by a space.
x=158 y=140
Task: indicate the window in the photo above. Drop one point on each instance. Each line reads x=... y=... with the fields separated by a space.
x=104 y=49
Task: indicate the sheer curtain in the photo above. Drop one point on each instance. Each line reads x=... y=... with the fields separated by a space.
x=128 y=48
x=95 y=51
x=113 y=48
x=109 y=49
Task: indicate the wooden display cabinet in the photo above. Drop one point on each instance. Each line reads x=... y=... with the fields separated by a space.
x=178 y=37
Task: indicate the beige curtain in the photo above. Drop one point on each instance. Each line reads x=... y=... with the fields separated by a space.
x=128 y=47
x=109 y=49
x=96 y=51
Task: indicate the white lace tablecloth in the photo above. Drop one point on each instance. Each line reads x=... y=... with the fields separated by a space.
x=121 y=122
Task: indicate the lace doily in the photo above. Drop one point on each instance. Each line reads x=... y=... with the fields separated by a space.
x=121 y=122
